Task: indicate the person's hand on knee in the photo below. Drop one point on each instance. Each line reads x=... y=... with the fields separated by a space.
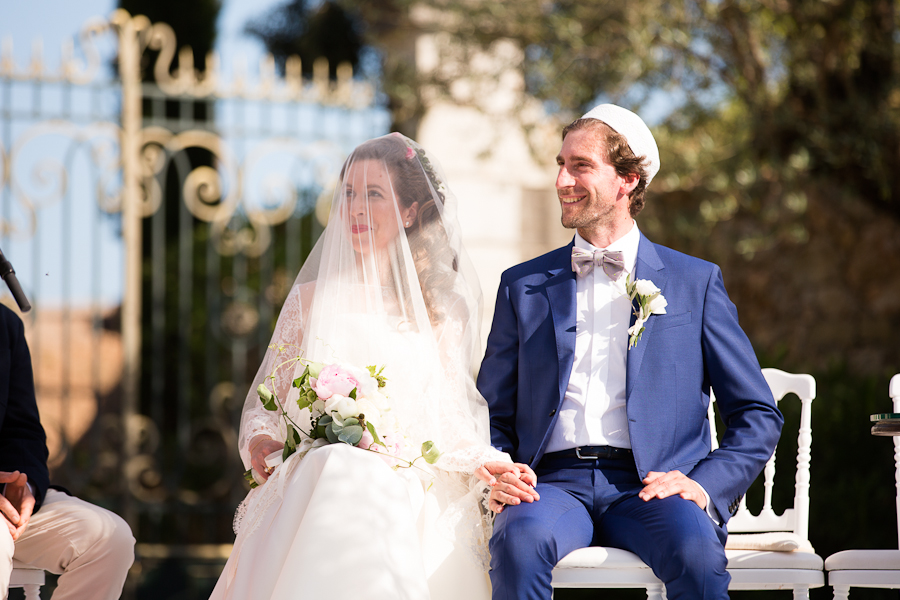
x=17 y=502
x=673 y=483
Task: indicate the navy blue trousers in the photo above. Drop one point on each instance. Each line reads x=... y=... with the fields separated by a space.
x=595 y=503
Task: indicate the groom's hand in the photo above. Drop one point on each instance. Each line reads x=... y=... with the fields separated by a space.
x=511 y=483
x=662 y=485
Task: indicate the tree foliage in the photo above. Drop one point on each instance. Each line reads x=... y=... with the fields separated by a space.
x=309 y=30
x=807 y=87
x=193 y=21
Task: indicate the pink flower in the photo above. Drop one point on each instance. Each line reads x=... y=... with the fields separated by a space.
x=410 y=153
x=333 y=380
x=367 y=439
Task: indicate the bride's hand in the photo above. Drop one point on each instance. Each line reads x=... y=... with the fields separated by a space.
x=489 y=470
x=511 y=483
x=260 y=447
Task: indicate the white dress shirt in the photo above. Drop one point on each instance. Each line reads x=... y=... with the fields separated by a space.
x=593 y=409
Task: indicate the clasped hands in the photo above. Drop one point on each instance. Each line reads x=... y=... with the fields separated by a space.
x=513 y=483
x=16 y=502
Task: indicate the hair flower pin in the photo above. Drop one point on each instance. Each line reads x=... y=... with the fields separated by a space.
x=650 y=301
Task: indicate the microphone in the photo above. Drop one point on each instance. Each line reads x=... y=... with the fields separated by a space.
x=9 y=276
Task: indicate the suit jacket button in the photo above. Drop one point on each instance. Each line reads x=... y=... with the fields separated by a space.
x=552 y=412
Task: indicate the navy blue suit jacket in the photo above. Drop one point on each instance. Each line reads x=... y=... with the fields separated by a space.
x=23 y=444
x=697 y=345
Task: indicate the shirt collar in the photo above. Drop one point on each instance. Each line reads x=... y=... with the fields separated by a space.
x=627 y=245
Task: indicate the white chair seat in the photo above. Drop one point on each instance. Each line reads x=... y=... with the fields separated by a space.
x=762 y=559
x=601 y=558
x=868 y=560
x=586 y=567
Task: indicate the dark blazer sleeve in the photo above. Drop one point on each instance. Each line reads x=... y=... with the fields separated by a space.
x=498 y=376
x=23 y=443
x=752 y=420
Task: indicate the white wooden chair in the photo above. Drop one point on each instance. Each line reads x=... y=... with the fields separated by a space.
x=760 y=568
x=870 y=568
x=29 y=578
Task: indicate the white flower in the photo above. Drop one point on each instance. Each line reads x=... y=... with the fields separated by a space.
x=343 y=405
x=650 y=301
x=635 y=329
x=645 y=287
x=368 y=408
x=318 y=407
x=657 y=306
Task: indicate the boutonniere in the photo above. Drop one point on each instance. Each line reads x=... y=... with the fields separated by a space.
x=650 y=301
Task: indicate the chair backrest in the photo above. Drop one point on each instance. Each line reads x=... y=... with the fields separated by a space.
x=895 y=397
x=795 y=519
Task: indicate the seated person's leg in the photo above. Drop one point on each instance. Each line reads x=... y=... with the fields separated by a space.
x=529 y=539
x=89 y=547
x=7 y=547
x=677 y=539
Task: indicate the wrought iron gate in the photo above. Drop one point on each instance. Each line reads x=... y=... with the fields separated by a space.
x=156 y=229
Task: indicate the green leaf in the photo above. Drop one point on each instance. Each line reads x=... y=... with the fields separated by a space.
x=352 y=393
x=330 y=434
x=303 y=402
x=288 y=450
x=267 y=397
x=371 y=429
x=382 y=381
x=289 y=440
x=315 y=368
x=351 y=435
x=297 y=438
x=302 y=379
x=248 y=475
x=430 y=452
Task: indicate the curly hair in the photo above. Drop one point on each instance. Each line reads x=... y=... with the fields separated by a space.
x=435 y=261
x=618 y=154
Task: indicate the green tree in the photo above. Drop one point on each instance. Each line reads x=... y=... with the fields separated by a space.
x=310 y=31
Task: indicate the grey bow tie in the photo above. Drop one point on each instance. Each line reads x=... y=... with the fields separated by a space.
x=613 y=263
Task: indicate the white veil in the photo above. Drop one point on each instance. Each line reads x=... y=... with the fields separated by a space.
x=389 y=284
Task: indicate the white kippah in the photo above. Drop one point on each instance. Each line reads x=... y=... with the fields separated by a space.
x=633 y=128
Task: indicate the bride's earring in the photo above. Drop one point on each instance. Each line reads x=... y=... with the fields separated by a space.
x=407 y=223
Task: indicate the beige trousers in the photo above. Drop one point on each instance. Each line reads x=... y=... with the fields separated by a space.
x=89 y=547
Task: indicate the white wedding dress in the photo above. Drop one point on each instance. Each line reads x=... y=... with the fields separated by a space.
x=387 y=284
x=338 y=522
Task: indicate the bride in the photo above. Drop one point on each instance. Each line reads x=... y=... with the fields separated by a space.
x=387 y=284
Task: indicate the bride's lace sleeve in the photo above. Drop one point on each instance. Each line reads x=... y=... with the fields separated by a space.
x=465 y=423
x=285 y=343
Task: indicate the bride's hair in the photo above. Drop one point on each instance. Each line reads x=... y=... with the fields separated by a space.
x=414 y=180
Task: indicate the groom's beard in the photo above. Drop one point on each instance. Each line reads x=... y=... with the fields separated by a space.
x=589 y=212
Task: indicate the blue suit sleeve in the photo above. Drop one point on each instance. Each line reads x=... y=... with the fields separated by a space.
x=752 y=420
x=498 y=377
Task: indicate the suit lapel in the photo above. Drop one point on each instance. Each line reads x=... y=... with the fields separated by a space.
x=561 y=290
x=648 y=266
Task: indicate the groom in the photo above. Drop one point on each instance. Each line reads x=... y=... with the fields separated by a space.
x=613 y=422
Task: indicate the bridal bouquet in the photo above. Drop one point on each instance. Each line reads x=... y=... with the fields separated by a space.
x=346 y=406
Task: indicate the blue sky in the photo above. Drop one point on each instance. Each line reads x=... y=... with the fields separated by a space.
x=55 y=263
x=53 y=20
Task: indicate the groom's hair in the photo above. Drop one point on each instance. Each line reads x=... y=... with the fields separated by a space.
x=618 y=154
